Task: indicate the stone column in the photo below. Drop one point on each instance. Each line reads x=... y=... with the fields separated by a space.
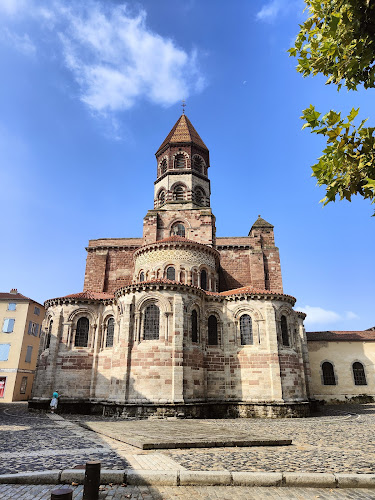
x=273 y=350
x=177 y=337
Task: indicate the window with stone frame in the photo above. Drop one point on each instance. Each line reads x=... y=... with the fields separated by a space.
x=82 y=333
x=359 y=374
x=48 y=336
x=161 y=198
x=110 y=332
x=328 y=374
x=171 y=273
x=178 y=229
x=246 y=330
x=199 y=196
x=213 y=338
x=198 y=164
x=163 y=167
x=284 y=330
x=151 y=322
x=142 y=276
x=194 y=326
x=23 y=385
x=180 y=161
x=182 y=277
x=179 y=193
x=204 y=279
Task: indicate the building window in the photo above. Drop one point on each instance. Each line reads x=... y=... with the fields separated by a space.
x=178 y=229
x=182 y=277
x=179 y=161
x=194 y=326
x=142 y=276
x=328 y=374
x=151 y=323
x=11 y=306
x=246 y=330
x=48 y=338
x=2 y=386
x=28 y=354
x=359 y=374
x=110 y=332
x=82 y=333
x=163 y=166
x=212 y=330
x=171 y=273
x=284 y=331
x=179 y=193
x=33 y=328
x=23 y=385
x=36 y=311
x=198 y=164
x=199 y=196
x=8 y=325
x=161 y=198
x=4 y=352
x=203 y=279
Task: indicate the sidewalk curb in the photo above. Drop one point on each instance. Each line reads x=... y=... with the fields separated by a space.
x=196 y=478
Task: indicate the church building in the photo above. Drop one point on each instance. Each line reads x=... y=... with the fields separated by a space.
x=180 y=322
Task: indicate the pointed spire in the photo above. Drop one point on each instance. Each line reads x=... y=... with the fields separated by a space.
x=183 y=132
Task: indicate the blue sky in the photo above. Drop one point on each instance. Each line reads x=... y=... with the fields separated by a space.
x=89 y=90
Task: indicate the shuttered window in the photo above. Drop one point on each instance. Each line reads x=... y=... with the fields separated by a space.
x=29 y=353
x=8 y=325
x=4 y=352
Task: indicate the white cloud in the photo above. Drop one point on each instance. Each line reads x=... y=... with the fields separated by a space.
x=21 y=43
x=12 y=7
x=116 y=60
x=269 y=11
x=318 y=315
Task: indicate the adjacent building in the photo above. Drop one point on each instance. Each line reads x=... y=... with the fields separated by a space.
x=21 y=322
x=342 y=364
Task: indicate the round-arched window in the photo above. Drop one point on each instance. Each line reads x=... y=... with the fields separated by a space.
x=161 y=198
x=359 y=374
x=163 y=166
x=179 y=161
x=284 y=331
x=178 y=229
x=194 y=326
x=82 y=333
x=110 y=332
x=212 y=330
x=179 y=193
x=204 y=279
x=328 y=373
x=246 y=330
x=142 y=276
x=198 y=164
x=151 y=323
x=49 y=334
x=171 y=273
x=199 y=196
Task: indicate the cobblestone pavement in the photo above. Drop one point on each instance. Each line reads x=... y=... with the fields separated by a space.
x=340 y=439
x=29 y=492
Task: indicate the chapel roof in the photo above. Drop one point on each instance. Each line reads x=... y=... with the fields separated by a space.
x=175 y=237
x=335 y=335
x=183 y=131
x=88 y=294
x=261 y=223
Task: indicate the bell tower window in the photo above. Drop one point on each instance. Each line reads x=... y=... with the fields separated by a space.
x=180 y=161
x=178 y=229
x=161 y=198
x=179 y=193
x=163 y=167
x=198 y=164
x=199 y=196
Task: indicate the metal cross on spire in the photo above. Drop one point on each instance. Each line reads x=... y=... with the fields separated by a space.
x=183 y=106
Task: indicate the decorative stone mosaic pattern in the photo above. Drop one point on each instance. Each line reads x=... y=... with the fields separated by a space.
x=192 y=257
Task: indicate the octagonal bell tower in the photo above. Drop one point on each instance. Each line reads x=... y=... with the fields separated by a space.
x=182 y=188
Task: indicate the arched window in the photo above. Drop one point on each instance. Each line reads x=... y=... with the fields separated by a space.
x=203 y=279
x=151 y=323
x=359 y=374
x=182 y=277
x=194 y=277
x=179 y=193
x=284 y=331
x=328 y=374
x=194 y=326
x=82 y=333
x=142 y=276
x=178 y=229
x=179 y=161
x=163 y=166
x=246 y=329
x=161 y=198
x=48 y=337
x=199 y=196
x=171 y=273
x=198 y=164
x=212 y=330
x=110 y=332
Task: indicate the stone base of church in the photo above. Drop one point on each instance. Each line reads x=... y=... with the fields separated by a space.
x=222 y=409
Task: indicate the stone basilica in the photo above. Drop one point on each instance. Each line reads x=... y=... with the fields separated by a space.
x=179 y=322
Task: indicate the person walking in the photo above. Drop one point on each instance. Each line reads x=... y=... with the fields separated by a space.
x=54 y=402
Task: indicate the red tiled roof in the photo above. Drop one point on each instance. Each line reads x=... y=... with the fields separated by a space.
x=89 y=295
x=13 y=296
x=183 y=131
x=252 y=290
x=334 y=335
